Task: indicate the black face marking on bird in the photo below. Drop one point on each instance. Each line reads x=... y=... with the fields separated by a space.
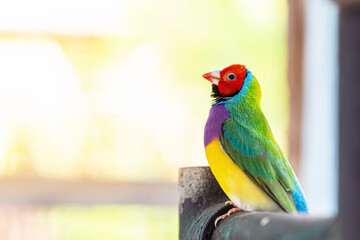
x=218 y=97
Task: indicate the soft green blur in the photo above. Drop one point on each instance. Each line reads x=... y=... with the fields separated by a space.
x=110 y=222
x=115 y=222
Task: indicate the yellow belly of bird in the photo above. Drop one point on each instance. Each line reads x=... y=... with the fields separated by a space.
x=234 y=182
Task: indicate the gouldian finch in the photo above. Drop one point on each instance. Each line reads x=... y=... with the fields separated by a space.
x=241 y=150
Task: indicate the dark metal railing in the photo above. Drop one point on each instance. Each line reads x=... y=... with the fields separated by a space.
x=202 y=201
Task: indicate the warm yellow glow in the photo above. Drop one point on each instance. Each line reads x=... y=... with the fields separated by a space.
x=80 y=17
x=113 y=89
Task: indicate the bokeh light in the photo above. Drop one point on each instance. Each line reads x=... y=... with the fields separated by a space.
x=112 y=90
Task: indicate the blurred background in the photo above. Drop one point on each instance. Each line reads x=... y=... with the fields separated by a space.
x=102 y=101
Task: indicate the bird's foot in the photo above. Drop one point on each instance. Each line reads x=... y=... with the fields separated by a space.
x=230 y=203
x=233 y=210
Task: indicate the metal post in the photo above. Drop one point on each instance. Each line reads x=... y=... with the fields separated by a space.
x=202 y=201
x=295 y=77
x=274 y=226
x=349 y=109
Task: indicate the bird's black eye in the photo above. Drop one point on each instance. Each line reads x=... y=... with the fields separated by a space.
x=231 y=76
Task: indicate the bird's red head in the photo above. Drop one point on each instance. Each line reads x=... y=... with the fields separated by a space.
x=229 y=80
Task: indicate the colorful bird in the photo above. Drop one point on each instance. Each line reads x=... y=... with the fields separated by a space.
x=241 y=150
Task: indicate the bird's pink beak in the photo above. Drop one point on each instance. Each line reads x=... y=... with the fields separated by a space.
x=213 y=77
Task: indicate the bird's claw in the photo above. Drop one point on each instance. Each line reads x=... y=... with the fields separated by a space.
x=233 y=210
x=230 y=203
